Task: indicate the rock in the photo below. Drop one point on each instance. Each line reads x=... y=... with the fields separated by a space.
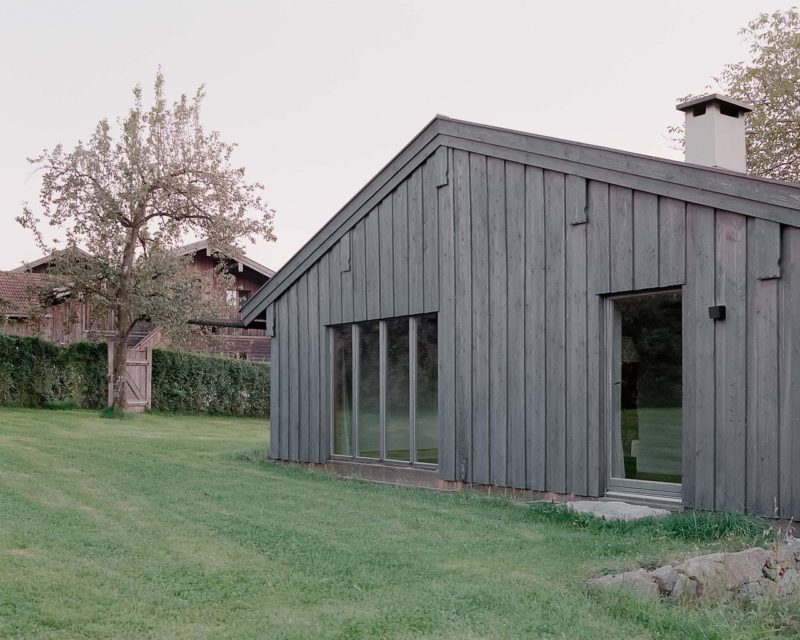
x=665 y=578
x=744 y=566
x=750 y=592
x=709 y=574
x=638 y=580
x=789 y=582
x=787 y=555
x=615 y=510
x=770 y=573
x=683 y=589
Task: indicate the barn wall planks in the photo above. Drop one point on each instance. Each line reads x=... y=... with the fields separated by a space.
x=516 y=259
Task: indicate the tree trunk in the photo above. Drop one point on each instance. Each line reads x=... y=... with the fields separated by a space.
x=120 y=396
x=124 y=326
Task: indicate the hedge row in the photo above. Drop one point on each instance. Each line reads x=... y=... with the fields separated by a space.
x=35 y=373
x=190 y=383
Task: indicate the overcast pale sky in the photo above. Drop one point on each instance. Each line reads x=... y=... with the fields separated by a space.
x=320 y=95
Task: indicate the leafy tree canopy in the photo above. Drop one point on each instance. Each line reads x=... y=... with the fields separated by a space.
x=130 y=197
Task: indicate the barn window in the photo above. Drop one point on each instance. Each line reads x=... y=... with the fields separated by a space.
x=384 y=388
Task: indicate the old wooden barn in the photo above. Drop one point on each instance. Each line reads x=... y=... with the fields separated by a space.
x=506 y=309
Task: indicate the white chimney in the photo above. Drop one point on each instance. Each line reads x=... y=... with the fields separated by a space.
x=715 y=135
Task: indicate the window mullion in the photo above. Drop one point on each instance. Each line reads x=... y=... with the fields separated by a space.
x=331 y=390
x=355 y=383
x=412 y=388
x=383 y=356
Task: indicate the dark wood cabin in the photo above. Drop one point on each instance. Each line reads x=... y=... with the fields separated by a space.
x=606 y=324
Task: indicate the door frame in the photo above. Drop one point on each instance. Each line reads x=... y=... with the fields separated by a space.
x=611 y=413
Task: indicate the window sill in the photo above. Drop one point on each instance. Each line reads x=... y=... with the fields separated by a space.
x=425 y=466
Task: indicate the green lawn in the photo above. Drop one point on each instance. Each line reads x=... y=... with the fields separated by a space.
x=163 y=527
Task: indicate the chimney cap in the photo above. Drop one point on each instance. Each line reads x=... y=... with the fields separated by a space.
x=711 y=98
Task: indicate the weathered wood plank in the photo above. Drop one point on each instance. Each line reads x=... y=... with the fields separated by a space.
x=303 y=436
x=439 y=162
x=415 y=244
x=731 y=359
x=576 y=339
x=789 y=389
x=597 y=252
x=335 y=279
x=430 y=237
x=575 y=198
x=621 y=238
x=767 y=256
x=283 y=328
x=498 y=323
x=269 y=320
x=698 y=360
x=597 y=237
x=447 y=324
x=480 y=319
x=347 y=277
x=294 y=375
x=463 y=306
x=275 y=390
x=324 y=361
x=314 y=395
x=373 y=264
x=387 y=257
x=359 y=261
x=645 y=240
x=400 y=248
x=515 y=241
x=535 y=339
x=671 y=242
x=763 y=384
x=555 y=331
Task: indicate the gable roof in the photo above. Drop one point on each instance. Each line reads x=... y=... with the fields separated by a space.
x=202 y=245
x=17 y=295
x=30 y=266
x=718 y=188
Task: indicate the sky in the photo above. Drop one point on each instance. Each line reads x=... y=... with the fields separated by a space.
x=320 y=96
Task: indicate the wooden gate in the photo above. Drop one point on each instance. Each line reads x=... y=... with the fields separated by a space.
x=138 y=377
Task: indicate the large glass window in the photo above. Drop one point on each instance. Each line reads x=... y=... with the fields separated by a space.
x=342 y=390
x=369 y=389
x=647 y=387
x=393 y=369
x=427 y=435
x=398 y=433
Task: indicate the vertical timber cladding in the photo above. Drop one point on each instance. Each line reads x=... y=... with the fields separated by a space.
x=386 y=265
x=516 y=259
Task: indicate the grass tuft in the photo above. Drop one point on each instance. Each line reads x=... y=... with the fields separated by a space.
x=112 y=413
x=251 y=455
x=61 y=405
x=698 y=526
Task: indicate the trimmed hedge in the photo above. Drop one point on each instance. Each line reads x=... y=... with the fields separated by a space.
x=190 y=383
x=36 y=373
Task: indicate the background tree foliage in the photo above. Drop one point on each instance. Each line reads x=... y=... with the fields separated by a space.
x=770 y=81
x=131 y=198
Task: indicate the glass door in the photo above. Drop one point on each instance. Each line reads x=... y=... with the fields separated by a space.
x=644 y=345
